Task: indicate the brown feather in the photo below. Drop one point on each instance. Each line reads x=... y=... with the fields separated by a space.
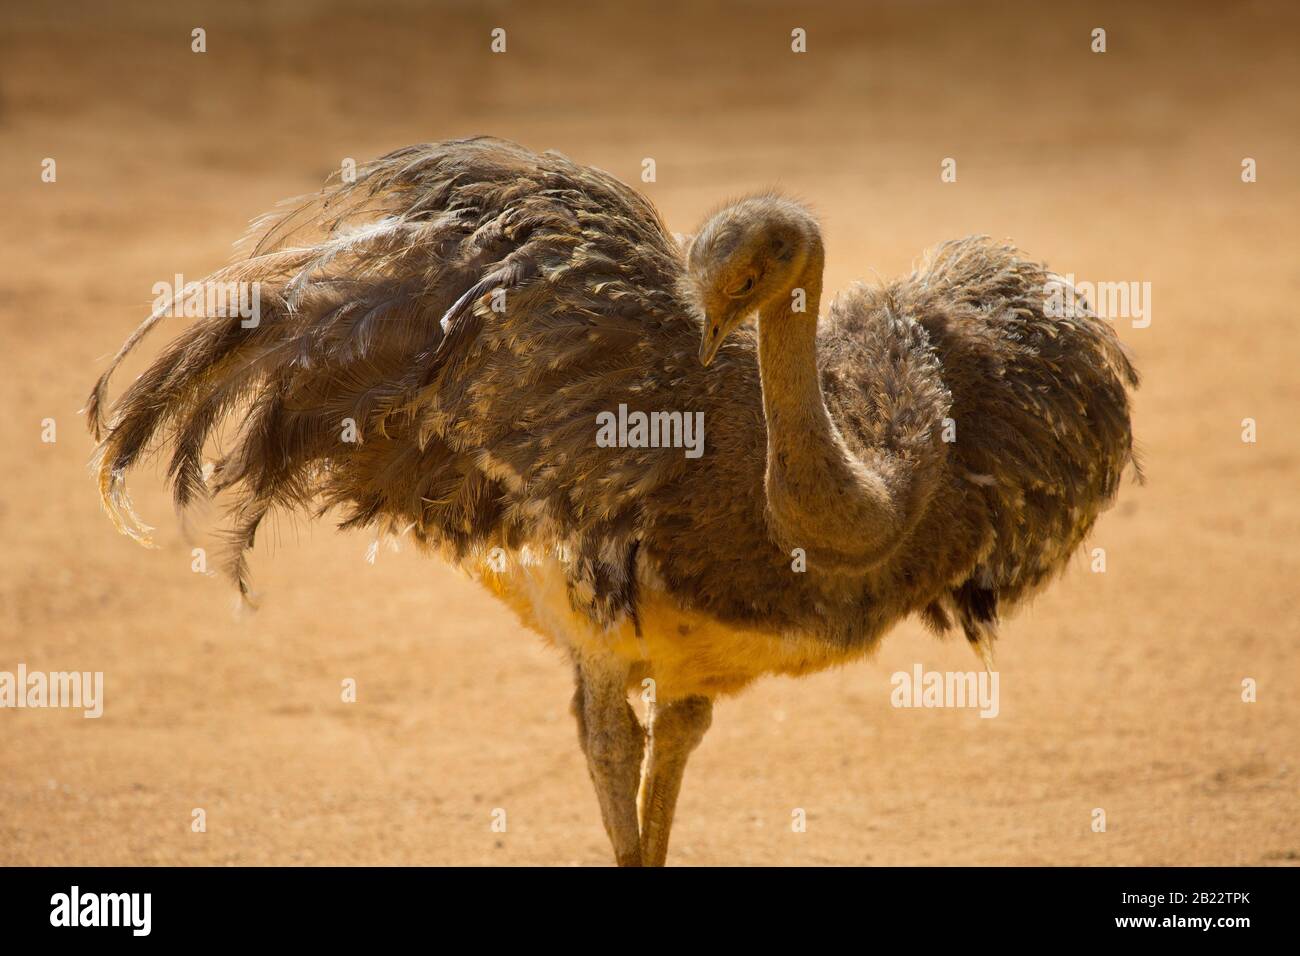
x=476 y=428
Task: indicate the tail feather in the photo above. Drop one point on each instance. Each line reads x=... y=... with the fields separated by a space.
x=977 y=610
x=374 y=293
x=314 y=358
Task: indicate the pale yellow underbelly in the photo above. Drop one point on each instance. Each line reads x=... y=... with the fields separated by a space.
x=685 y=652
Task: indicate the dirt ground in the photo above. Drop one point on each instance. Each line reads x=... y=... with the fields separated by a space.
x=1119 y=690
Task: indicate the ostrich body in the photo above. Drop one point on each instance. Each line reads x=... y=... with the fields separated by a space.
x=937 y=446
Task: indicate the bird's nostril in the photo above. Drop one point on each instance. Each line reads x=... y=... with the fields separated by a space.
x=715 y=331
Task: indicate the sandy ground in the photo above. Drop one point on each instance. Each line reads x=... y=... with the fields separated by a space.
x=1119 y=691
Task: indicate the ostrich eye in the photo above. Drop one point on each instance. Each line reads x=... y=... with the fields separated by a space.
x=745 y=287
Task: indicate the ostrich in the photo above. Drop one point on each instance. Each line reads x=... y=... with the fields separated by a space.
x=938 y=446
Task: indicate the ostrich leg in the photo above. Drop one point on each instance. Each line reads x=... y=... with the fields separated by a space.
x=613 y=741
x=676 y=728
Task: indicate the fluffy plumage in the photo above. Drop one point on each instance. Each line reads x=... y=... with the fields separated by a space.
x=476 y=427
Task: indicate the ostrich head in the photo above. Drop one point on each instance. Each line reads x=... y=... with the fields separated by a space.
x=746 y=256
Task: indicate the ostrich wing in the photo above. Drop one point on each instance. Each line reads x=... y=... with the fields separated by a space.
x=462 y=310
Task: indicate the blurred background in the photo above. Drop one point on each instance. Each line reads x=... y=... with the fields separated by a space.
x=1119 y=690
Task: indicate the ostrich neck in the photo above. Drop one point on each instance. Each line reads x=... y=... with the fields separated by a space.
x=793 y=403
x=820 y=497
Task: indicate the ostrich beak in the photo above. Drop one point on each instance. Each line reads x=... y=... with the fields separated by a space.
x=710 y=340
x=714 y=332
